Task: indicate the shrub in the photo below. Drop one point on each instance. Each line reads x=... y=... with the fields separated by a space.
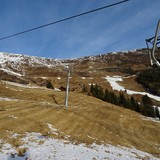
x=49 y=85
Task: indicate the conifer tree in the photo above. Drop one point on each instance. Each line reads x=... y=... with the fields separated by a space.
x=113 y=98
x=157 y=113
x=148 y=108
x=100 y=94
x=133 y=103
x=97 y=91
x=122 y=100
x=106 y=96
x=146 y=100
x=91 y=88
x=137 y=109
x=143 y=110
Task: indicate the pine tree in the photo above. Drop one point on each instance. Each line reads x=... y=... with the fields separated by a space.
x=100 y=93
x=137 y=109
x=122 y=100
x=133 y=103
x=157 y=113
x=146 y=100
x=150 y=111
x=91 y=88
x=106 y=96
x=84 y=88
x=148 y=108
x=97 y=91
x=113 y=98
x=143 y=110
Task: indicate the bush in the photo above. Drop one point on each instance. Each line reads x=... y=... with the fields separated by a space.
x=49 y=85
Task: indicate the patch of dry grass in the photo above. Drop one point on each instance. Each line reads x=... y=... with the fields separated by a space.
x=131 y=84
x=86 y=120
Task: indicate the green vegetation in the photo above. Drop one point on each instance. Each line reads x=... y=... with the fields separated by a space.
x=49 y=85
x=145 y=107
x=127 y=70
x=150 y=79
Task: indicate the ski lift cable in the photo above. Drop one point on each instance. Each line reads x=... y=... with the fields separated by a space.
x=65 y=19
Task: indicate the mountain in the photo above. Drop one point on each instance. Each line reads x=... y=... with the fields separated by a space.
x=27 y=67
x=84 y=71
x=35 y=124
x=20 y=68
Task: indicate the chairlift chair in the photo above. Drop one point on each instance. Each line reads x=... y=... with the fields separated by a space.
x=154 y=41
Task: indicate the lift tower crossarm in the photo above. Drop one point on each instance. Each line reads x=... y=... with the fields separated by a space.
x=154 y=41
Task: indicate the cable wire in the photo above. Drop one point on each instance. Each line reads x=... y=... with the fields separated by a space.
x=62 y=20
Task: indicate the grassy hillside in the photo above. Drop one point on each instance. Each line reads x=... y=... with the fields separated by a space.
x=86 y=120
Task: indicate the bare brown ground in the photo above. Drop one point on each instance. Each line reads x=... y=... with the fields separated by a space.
x=86 y=120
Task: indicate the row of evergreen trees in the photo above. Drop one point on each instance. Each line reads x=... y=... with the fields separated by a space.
x=150 y=79
x=145 y=107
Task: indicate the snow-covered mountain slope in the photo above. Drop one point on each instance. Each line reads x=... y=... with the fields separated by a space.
x=18 y=61
x=20 y=68
x=22 y=65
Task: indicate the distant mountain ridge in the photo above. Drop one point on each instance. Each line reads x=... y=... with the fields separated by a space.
x=22 y=68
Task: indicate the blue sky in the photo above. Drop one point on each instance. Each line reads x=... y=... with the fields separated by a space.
x=119 y=28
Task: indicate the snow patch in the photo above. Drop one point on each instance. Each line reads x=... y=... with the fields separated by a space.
x=12 y=116
x=44 y=77
x=150 y=119
x=113 y=82
x=52 y=128
x=8 y=99
x=115 y=86
x=22 y=85
x=130 y=76
x=57 y=89
x=41 y=147
x=11 y=72
x=91 y=84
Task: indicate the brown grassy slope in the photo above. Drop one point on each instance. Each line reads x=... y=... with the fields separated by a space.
x=86 y=120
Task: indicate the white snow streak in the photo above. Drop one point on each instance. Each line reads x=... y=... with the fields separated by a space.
x=8 y=99
x=115 y=86
x=12 y=116
x=11 y=72
x=22 y=85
